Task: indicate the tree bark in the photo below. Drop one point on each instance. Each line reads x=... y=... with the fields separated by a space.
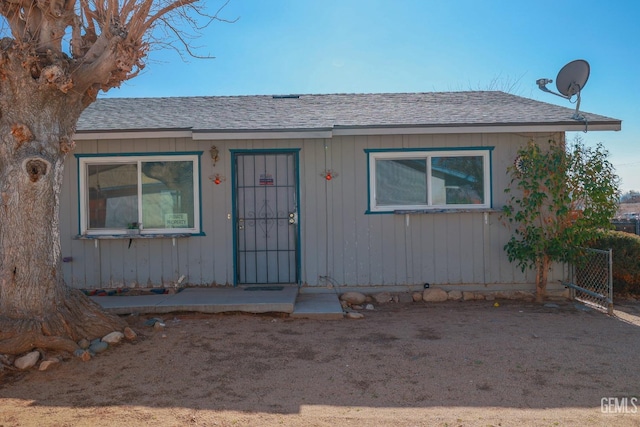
x=36 y=129
x=542 y=272
x=46 y=80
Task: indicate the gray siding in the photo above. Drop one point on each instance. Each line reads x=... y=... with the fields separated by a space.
x=340 y=244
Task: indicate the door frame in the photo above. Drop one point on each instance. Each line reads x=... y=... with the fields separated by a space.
x=234 y=202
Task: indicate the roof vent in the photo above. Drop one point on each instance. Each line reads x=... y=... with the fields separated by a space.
x=286 y=96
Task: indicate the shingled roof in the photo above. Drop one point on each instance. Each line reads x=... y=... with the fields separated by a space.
x=332 y=112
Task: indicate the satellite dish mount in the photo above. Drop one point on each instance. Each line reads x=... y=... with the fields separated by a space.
x=570 y=81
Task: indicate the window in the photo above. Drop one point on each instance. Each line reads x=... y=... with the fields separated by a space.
x=431 y=179
x=139 y=194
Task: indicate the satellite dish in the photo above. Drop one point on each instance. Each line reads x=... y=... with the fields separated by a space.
x=570 y=81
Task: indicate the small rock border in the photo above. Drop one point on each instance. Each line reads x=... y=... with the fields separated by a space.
x=86 y=350
x=354 y=302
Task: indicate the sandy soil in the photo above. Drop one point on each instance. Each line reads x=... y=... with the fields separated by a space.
x=414 y=364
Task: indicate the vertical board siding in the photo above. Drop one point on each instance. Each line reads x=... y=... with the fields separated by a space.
x=339 y=243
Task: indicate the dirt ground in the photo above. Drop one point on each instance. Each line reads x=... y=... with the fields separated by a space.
x=412 y=364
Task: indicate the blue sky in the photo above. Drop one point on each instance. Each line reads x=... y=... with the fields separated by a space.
x=364 y=46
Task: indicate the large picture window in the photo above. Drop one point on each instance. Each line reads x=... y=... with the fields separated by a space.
x=423 y=180
x=141 y=194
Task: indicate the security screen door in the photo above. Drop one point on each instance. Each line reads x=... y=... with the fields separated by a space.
x=266 y=218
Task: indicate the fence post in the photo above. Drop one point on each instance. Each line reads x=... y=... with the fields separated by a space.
x=610 y=302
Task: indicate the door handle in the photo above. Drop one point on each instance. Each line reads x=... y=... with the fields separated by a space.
x=293 y=218
x=241 y=224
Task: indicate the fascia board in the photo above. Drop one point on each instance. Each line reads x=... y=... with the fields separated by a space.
x=87 y=136
x=475 y=129
x=347 y=131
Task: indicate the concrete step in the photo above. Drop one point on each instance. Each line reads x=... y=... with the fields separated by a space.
x=318 y=306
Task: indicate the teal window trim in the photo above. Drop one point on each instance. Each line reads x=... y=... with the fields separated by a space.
x=264 y=151
x=427 y=149
x=140 y=154
x=427 y=153
x=82 y=160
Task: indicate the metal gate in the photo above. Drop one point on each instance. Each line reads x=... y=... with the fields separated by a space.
x=591 y=280
x=266 y=217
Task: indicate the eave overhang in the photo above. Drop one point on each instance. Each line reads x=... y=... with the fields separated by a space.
x=328 y=133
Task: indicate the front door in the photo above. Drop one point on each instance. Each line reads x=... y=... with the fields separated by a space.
x=266 y=217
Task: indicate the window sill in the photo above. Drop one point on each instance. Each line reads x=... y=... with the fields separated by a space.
x=442 y=211
x=134 y=236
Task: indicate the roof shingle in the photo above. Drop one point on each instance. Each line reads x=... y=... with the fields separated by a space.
x=268 y=113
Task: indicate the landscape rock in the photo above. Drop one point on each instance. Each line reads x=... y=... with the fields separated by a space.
x=454 y=295
x=84 y=343
x=352 y=315
x=98 y=347
x=27 y=361
x=353 y=297
x=478 y=296
x=152 y=321
x=490 y=297
x=382 y=297
x=357 y=307
x=83 y=354
x=369 y=307
x=113 y=337
x=46 y=364
x=416 y=296
x=158 y=326
x=434 y=295
x=130 y=334
x=467 y=296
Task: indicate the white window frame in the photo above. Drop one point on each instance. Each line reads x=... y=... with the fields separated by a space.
x=84 y=162
x=485 y=153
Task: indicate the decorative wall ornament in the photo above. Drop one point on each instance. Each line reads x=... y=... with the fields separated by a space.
x=329 y=174
x=520 y=164
x=217 y=178
x=214 y=154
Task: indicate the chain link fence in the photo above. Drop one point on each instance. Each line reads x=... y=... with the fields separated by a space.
x=591 y=280
x=627 y=225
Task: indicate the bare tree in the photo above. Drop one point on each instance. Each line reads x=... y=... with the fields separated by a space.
x=55 y=58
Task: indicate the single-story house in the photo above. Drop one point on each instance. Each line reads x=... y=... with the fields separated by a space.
x=397 y=189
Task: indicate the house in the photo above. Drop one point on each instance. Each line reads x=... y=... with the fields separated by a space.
x=397 y=189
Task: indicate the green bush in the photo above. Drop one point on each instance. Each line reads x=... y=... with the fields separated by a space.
x=626 y=260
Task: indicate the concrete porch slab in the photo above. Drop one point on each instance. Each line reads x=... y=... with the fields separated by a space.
x=220 y=300
x=204 y=300
x=143 y=304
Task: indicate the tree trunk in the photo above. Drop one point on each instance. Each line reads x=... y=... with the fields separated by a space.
x=36 y=308
x=542 y=273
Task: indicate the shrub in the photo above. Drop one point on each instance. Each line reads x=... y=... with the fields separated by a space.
x=626 y=260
